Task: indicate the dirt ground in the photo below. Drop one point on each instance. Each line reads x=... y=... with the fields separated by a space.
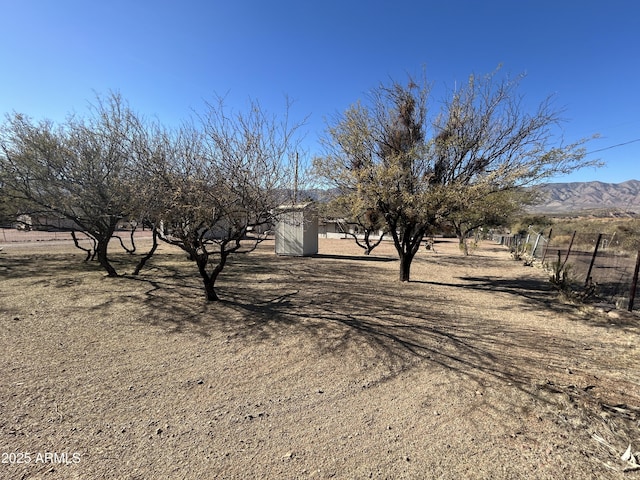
x=323 y=367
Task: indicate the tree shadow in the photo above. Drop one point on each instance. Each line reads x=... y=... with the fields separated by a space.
x=364 y=258
x=37 y=264
x=355 y=308
x=408 y=325
x=52 y=263
x=533 y=289
x=306 y=294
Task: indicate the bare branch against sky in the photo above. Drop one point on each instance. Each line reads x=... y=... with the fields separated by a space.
x=166 y=57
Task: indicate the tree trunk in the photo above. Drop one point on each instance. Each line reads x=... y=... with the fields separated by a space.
x=463 y=244
x=405 y=267
x=209 y=288
x=368 y=248
x=91 y=252
x=103 y=259
x=209 y=279
x=145 y=258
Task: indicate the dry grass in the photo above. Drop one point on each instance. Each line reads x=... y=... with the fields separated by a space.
x=311 y=368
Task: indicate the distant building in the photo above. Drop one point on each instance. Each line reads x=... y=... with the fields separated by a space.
x=45 y=223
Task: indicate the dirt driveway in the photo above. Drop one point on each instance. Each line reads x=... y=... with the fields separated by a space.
x=323 y=367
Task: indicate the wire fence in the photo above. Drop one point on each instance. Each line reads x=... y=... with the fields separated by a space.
x=12 y=235
x=21 y=236
x=594 y=262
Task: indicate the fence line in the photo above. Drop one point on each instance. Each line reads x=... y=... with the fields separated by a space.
x=591 y=260
x=12 y=235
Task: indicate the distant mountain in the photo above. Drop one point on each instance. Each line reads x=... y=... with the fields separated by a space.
x=559 y=198
x=579 y=197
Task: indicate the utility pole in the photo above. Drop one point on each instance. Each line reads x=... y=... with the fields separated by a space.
x=295 y=182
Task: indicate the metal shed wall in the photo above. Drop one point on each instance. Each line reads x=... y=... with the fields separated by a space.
x=297 y=231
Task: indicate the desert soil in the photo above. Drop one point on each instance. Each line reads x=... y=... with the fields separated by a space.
x=323 y=367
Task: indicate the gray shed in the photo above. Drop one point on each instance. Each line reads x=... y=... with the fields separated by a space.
x=297 y=230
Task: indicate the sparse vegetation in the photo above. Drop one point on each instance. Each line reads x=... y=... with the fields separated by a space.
x=80 y=171
x=620 y=234
x=560 y=275
x=580 y=275
x=203 y=188
x=304 y=369
x=420 y=166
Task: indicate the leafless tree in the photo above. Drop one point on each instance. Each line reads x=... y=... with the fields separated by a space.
x=221 y=184
x=79 y=170
x=365 y=225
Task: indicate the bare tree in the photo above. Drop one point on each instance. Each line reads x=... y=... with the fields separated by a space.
x=79 y=170
x=365 y=225
x=221 y=185
x=8 y=210
x=409 y=165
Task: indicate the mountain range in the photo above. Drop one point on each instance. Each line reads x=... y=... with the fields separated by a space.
x=577 y=197
x=599 y=198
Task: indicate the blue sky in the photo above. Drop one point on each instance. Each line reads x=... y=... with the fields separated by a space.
x=167 y=57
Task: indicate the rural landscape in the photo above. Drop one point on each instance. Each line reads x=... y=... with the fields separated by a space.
x=170 y=308
x=312 y=367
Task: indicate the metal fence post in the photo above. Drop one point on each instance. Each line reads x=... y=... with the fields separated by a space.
x=634 y=283
x=593 y=259
x=535 y=246
x=544 y=254
x=573 y=237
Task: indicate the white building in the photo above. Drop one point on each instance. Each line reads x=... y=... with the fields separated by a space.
x=297 y=230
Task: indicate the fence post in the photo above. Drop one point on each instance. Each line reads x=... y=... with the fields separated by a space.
x=544 y=254
x=535 y=246
x=593 y=259
x=634 y=283
x=573 y=237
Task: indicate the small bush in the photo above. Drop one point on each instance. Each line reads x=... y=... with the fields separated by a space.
x=562 y=279
x=519 y=251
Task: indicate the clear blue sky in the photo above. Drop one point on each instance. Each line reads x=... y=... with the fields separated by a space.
x=167 y=57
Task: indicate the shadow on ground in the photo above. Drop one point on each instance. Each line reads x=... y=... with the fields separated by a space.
x=360 y=258
x=269 y=296
x=342 y=303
